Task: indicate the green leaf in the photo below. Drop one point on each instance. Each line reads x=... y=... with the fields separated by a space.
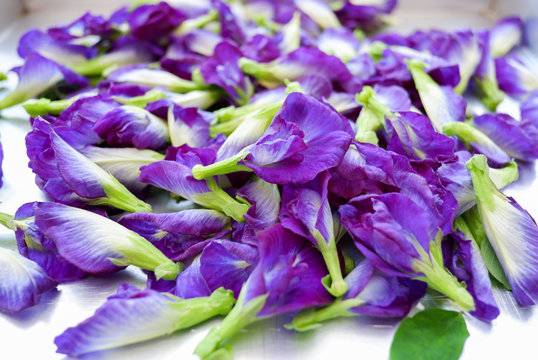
x=432 y=334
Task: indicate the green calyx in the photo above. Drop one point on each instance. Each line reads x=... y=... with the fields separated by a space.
x=371 y=117
x=119 y=197
x=43 y=106
x=7 y=221
x=260 y=71
x=196 y=23
x=143 y=254
x=467 y=133
x=334 y=283
x=311 y=319
x=13 y=98
x=223 y=167
x=142 y=100
x=240 y=316
x=484 y=188
x=489 y=92
x=439 y=278
x=218 y=199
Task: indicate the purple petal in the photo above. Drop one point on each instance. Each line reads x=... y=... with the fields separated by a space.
x=130 y=125
x=413 y=135
x=386 y=228
x=23 y=281
x=290 y=271
x=514 y=77
x=516 y=139
x=466 y=263
x=300 y=160
x=151 y=21
x=265 y=200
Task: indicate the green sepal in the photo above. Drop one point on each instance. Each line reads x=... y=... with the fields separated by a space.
x=489 y=92
x=218 y=199
x=334 y=283
x=376 y=50
x=484 y=188
x=466 y=133
x=439 y=278
x=258 y=70
x=240 y=316
x=223 y=167
x=504 y=176
x=118 y=196
x=371 y=117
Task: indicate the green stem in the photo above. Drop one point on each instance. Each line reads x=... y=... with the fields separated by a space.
x=240 y=316
x=7 y=221
x=222 y=167
x=338 y=286
x=196 y=23
x=12 y=99
x=439 y=278
x=311 y=319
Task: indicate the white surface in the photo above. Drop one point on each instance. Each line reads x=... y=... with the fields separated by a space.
x=29 y=335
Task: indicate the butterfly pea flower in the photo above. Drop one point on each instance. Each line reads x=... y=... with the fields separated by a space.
x=70 y=177
x=85 y=26
x=262 y=48
x=59 y=51
x=222 y=263
x=232 y=26
x=306 y=211
x=477 y=140
x=36 y=75
x=366 y=16
x=505 y=35
x=511 y=231
x=519 y=139
x=460 y=48
x=123 y=163
x=175 y=175
x=457 y=180
x=287 y=278
x=294 y=65
x=462 y=257
x=441 y=103
x=23 y=282
x=98 y=245
x=412 y=134
x=175 y=233
x=370 y=293
x=75 y=123
x=294 y=148
x=402 y=238
x=124 y=51
x=129 y=125
x=34 y=245
x=152 y=77
x=154 y=21
x=365 y=168
x=133 y=315
x=377 y=104
x=222 y=69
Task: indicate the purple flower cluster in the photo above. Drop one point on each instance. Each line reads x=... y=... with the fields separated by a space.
x=324 y=173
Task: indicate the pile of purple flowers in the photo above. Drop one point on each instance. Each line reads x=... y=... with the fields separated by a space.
x=326 y=173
